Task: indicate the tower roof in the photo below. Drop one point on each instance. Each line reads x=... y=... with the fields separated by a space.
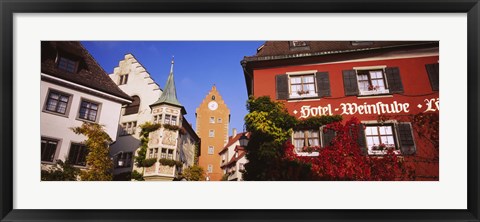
x=169 y=95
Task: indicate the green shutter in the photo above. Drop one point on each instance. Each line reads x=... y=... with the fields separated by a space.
x=361 y=141
x=433 y=75
x=323 y=84
x=282 y=86
x=407 y=143
x=394 y=81
x=350 y=84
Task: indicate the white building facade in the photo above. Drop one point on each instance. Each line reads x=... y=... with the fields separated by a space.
x=74 y=89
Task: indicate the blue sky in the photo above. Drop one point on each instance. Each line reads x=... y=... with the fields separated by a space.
x=198 y=65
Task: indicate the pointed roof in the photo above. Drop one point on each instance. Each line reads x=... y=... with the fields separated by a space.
x=169 y=95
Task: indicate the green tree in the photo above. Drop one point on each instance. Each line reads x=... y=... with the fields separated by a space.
x=194 y=173
x=270 y=126
x=61 y=171
x=99 y=164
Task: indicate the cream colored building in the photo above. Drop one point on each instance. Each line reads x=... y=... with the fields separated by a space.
x=174 y=140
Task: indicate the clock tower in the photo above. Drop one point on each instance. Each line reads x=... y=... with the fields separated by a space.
x=213 y=118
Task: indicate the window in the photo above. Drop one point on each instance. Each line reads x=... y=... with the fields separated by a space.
x=163 y=155
x=128 y=128
x=157 y=119
x=166 y=154
x=170 y=154
x=210 y=150
x=371 y=82
x=433 y=75
x=379 y=138
x=303 y=139
x=57 y=102
x=302 y=85
x=170 y=119
x=78 y=154
x=152 y=153
x=88 y=110
x=123 y=79
x=123 y=160
x=211 y=133
x=133 y=107
x=212 y=119
x=298 y=43
x=241 y=166
x=219 y=120
x=68 y=65
x=361 y=43
x=210 y=168
x=48 y=149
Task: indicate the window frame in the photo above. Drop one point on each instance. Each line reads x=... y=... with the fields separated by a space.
x=301 y=74
x=126 y=130
x=211 y=133
x=212 y=148
x=123 y=79
x=97 y=115
x=48 y=139
x=393 y=125
x=306 y=141
x=372 y=91
x=76 y=163
x=68 y=105
x=67 y=59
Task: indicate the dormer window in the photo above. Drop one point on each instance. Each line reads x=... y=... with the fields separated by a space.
x=299 y=43
x=67 y=64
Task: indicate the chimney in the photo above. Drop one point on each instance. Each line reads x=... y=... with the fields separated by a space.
x=234 y=132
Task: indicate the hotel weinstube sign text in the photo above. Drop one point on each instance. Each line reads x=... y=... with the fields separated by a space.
x=366 y=108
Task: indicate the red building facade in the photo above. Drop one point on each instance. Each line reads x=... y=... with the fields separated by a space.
x=389 y=86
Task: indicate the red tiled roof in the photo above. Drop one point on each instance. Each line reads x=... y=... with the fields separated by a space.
x=89 y=72
x=277 y=48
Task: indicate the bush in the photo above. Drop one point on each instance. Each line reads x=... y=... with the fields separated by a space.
x=62 y=171
x=170 y=162
x=149 y=162
x=137 y=176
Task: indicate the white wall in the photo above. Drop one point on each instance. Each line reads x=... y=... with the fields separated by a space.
x=139 y=84
x=58 y=127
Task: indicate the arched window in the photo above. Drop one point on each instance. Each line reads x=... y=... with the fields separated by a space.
x=133 y=107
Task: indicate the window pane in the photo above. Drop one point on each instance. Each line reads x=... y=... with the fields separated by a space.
x=376 y=140
x=295 y=80
x=308 y=79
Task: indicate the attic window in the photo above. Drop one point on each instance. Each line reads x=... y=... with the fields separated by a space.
x=67 y=64
x=361 y=43
x=299 y=45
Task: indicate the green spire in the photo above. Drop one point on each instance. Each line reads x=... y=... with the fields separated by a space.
x=169 y=95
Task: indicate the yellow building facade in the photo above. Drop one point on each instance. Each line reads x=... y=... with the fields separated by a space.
x=212 y=122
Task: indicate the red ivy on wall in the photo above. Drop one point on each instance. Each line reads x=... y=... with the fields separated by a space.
x=344 y=160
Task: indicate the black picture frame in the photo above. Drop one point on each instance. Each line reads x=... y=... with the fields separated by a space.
x=10 y=7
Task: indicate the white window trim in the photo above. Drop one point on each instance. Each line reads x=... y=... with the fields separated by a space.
x=395 y=134
x=301 y=73
x=374 y=92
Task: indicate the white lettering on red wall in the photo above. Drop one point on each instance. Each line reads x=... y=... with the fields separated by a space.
x=378 y=108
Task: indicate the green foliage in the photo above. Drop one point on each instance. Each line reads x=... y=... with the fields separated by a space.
x=271 y=126
x=149 y=162
x=61 y=171
x=146 y=128
x=99 y=164
x=194 y=173
x=170 y=162
x=137 y=176
x=171 y=127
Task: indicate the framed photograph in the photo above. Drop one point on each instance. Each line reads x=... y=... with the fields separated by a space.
x=269 y=110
